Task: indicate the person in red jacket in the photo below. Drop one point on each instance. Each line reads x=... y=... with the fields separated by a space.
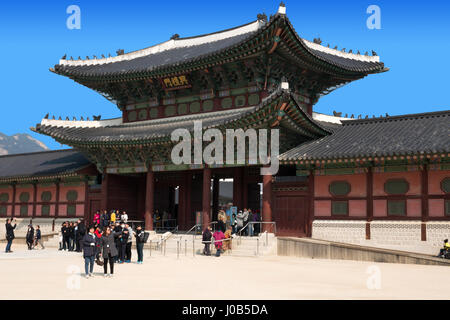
x=218 y=237
x=98 y=236
x=97 y=218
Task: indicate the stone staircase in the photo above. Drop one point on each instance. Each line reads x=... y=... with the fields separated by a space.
x=263 y=245
x=52 y=242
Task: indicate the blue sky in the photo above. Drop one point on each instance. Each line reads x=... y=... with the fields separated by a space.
x=413 y=42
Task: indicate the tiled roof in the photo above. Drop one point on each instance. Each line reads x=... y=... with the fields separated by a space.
x=347 y=63
x=399 y=135
x=117 y=132
x=181 y=50
x=37 y=164
x=175 y=51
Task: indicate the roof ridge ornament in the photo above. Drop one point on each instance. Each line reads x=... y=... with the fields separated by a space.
x=120 y=52
x=284 y=85
x=261 y=17
x=175 y=36
x=282 y=8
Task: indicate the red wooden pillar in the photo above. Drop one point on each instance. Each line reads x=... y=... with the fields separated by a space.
x=187 y=201
x=104 y=201
x=13 y=201
x=57 y=200
x=267 y=202
x=369 y=195
x=149 y=191
x=424 y=201
x=87 y=216
x=215 y=198
x=206 y=203
x=34 y=199
x=311 y=203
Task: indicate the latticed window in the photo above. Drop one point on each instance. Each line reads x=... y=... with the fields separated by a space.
x=71 y=210
x=24 y=197
x=339 y=188
x=46 y=196
x=396 y=186
x=3 y=211
x=23 y=210
x=4 y=197
x=445 y=185
x=396 y=207
x=45 y=210
x=339 y=208
x=447 y=208
x=71 y=196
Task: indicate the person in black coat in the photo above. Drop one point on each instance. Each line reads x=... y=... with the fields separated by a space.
x=9 y=234
x=140 y=238
x=104 y=219
x=71 y=236
x=38 y=237
x=206 y=239
x=108 y=251
x=123 y=244
x=30 y=237
x=117 y=236
x=81 y=231
x=89 y=251
x=65 y=232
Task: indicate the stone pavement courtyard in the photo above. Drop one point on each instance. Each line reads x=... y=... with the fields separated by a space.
x=51 y=274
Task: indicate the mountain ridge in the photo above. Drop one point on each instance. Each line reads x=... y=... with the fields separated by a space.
x=20 y=143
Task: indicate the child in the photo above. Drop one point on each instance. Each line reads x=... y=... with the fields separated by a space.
x=38 y=237
x=227 y=242
x=218 y=237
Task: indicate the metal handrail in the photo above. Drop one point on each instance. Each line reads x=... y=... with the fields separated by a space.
x=167 y=229
x=272 y=223
x=191 y=229
x=195 y=226
x=240 y=232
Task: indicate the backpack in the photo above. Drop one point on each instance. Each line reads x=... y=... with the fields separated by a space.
x=146 y=236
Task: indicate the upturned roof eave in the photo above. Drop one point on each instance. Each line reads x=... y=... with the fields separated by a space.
x=201 y=61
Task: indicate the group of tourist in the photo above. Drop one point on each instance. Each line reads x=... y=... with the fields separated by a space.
x=108 y=240
x=162 y=220
x=71 y=235
x=33 y=236
x=105 y=218
x=245 y=222
x=111 y=244
x=226 y=229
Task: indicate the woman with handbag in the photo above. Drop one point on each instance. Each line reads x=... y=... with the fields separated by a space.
x=108 y=251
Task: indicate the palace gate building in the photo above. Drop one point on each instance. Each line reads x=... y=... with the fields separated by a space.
x=384 y=181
